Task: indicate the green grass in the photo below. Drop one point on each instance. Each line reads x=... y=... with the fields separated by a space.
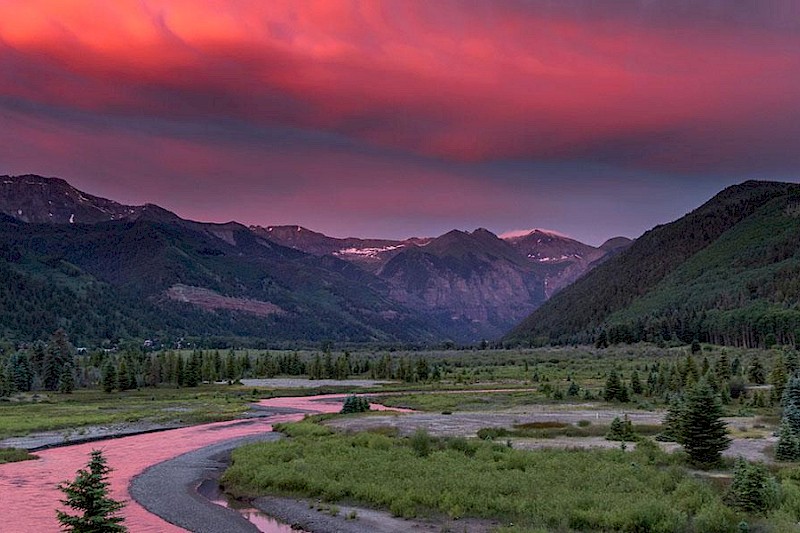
x=85 y=408
x=553 y=490
x=551 y=430
x=13 y=455
x=448 y=401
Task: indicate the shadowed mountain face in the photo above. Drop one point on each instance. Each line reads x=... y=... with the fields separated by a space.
x=477 y=280
x=725 y=273
x=167 y=275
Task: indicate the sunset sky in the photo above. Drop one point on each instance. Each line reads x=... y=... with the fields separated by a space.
x=401 y=118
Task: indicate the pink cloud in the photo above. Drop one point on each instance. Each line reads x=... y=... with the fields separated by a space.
x=431 y=78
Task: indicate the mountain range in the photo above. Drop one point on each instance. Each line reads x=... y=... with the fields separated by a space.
x=104 y=270
x=727 y=273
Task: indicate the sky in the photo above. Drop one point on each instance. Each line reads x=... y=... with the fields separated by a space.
x=404 y=118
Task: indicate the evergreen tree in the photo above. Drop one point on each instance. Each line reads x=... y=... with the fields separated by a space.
x=355 y=404
x=88 y=494
x=342 y=366
x=20 y=372
x=602 y=340
x=423 y=370
x=123 y=375
x=736 y=367
x=192 y=374
x=777 y=378
x=695 y=346
x=788 y=446
x=703 y=432
x=109 y=376
x=623 y=395
x=752 y=490
x=315 y=369
x=613 y=387
x=791 y=404
x=690 y=372
x=756 y=373
x=722 y=368
x=673 y=428
x=636 y=384
x=621 y=430
x=66 y=381
x=791 y=361
x=231 y=371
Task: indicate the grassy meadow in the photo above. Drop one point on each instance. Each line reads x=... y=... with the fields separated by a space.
x=546 y=490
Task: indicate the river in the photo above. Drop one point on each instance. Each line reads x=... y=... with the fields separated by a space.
x=28 y=489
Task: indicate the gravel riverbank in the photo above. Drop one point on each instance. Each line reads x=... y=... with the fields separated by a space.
x=169 y=489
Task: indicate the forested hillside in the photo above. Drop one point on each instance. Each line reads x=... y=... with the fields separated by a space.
x=147 y=278
x=727 y=272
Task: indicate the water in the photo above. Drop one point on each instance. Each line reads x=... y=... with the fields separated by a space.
x=264 y=522
x=28 y=489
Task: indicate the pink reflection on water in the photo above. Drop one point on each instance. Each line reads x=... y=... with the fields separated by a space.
x=28 y=493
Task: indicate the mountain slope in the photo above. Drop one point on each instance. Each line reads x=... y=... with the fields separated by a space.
x=475 y=279
x=195 y=283
x=663 y=283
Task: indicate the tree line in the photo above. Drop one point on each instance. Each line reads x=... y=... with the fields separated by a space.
x=56 y=366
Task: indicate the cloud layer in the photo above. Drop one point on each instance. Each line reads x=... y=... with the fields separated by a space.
x=421 y=105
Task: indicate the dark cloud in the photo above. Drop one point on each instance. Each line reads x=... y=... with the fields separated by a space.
x=413 y=116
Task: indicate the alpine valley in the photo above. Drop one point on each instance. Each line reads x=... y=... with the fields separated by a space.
x=105 y=271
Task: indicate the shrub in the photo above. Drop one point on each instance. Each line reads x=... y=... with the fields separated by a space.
x=492 y=433
x=355 y=404
x=716 y=518
x=421 y=443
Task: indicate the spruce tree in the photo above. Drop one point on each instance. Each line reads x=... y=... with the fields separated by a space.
x=88 y=494
x=756 y=373
x=109 y=376
x=673 y=422
x=777 y=378
x=722 y=368
x=703 y=431
x=613 y=387
x=752 y=490
x=636 y=384
x=66 y=382
x=788 y=446
x=621 y=430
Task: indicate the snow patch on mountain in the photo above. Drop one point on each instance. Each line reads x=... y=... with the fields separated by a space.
x=517 y=233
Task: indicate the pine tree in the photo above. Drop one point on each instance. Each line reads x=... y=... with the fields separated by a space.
x=756 y=373
x=704 y=433
x=695 y=346
x=613 y=387
x=777 y=378
x=66 y=381
x=673 y=428
x=752 y=490
x=621 y=430
x=602 y=340
x=88 y=494
x=722 y=368
x=788 y=446
x=791 y=361
x=355 y=404
x=109 y=376
x=636 y=384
